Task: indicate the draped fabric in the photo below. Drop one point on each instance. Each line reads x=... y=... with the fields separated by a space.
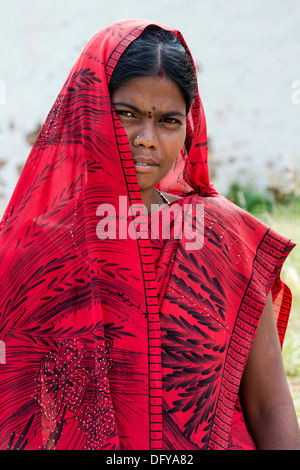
x=211 y=300
x=125 y=342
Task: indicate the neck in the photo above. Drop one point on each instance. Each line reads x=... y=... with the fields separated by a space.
x=151 y=196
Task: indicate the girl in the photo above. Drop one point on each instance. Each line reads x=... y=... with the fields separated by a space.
x=129 y=339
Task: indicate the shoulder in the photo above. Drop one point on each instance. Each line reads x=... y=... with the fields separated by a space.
x=225 y=209
x=223 y=216
x=172 y=197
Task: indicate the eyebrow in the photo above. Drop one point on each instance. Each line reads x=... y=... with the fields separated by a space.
x=137 y=110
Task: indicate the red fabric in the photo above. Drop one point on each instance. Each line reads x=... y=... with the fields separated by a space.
x=124 y=343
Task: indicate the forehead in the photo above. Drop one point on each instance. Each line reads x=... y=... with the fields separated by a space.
x=151 y=91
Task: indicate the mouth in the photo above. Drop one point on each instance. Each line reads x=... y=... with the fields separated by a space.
x=144 y=164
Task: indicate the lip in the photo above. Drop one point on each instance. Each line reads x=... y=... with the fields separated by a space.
x=149 y=161
x=144 y=164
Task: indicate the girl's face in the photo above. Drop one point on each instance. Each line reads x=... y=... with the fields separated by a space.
x=152 y=111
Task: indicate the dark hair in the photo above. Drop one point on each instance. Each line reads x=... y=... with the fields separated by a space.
x=156 y=50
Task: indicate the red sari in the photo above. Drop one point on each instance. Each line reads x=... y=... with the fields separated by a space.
x=132 y=343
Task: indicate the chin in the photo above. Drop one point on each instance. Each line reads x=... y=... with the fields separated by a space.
x=146 y=185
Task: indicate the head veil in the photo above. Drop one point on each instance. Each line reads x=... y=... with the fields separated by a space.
x=76 y=312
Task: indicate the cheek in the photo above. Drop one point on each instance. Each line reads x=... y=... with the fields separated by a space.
x=172 y=157
x=176 y=145
x=127 y=128
x=183 y=139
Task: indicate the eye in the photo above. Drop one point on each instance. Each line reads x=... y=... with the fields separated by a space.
x=170 y=120
x=124 y=113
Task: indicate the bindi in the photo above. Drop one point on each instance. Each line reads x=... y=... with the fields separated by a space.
x=150 y=112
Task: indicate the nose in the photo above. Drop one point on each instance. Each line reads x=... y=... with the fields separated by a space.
x=146 y=137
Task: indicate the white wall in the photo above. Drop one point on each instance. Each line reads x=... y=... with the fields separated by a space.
x=248 y=53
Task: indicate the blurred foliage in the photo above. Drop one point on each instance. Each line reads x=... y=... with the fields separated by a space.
x=269 y=202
